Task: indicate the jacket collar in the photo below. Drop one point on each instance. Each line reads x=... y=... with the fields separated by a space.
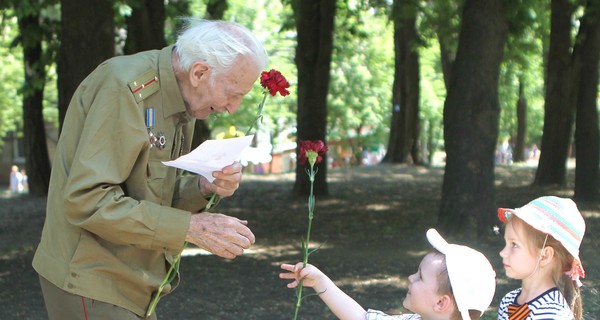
x=172 y=99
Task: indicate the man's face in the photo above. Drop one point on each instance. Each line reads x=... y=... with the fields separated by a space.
x=222 y=93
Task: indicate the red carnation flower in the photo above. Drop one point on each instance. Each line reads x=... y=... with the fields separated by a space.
x=275 y=82
x=311 y=151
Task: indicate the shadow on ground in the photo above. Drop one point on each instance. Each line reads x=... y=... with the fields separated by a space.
x=371 y=233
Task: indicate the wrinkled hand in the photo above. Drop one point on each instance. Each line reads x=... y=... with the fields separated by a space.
x=219 y=234
x=226 y=182
x=310 y=275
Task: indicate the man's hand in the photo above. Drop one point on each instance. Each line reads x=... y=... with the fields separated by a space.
x=226 y=182
x=219 y=234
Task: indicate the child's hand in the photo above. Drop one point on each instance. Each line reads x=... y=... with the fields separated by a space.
x=342 y=305
x=310 y=274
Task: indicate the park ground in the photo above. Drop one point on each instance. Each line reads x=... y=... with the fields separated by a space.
x=370 y=233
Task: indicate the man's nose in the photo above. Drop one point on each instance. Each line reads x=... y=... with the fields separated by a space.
x=231 y=109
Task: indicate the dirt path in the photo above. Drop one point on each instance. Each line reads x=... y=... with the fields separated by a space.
x=370 y=232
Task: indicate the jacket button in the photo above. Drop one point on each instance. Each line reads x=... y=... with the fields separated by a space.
x=70 y=286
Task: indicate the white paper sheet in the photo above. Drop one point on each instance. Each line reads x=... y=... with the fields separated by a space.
x=212 y=155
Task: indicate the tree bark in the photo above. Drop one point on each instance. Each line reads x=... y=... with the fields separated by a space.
x=146 y=26
x=36 y=152
x=315 y=27
x=445 y=16
x=87 y=39
x=586 y=133
x=447 y=60
x=519 y=149
x=559 y=107
x=403 y=144
x=471 y=120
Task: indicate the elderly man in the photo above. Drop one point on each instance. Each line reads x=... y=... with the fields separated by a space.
x=116 y=215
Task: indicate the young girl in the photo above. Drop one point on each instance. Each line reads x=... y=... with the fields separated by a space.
x=542 y=250
x=453 y=282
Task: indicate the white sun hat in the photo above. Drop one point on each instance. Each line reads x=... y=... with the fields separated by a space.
x=557 y=217
x=472 y=277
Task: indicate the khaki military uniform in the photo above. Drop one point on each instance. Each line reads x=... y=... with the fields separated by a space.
x=115 y=214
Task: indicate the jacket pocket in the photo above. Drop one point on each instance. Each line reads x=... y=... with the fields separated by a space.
x=157 y=172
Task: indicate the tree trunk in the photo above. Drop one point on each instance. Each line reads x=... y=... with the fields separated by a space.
x=586 y=132
x=446 y=58
x=36 y=151
x=446 y=31
x=87 y=38
x=519 y=150
x=471 y=120
x=146 y=26
x=559 y=108
x=315 y=27
x=403 y=144
x=215 y=9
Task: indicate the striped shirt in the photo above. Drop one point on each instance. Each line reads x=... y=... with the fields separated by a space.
x=550 y=305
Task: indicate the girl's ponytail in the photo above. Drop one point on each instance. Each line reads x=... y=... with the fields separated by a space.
x=573 y=296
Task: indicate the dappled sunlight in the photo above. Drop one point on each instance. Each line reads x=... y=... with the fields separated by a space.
x=369 y=234
x=416 y=254
x=279 y=177
x=373 y=280
x=261 y=251
x=378 y=207
x=587 y=214
x=329 y=202
x=501 y=279
x=384 y=172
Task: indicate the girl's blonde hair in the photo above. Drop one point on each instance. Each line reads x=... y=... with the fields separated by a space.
x=564 y=261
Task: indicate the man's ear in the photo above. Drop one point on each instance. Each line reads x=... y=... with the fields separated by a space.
x=443 y=304
x=198 y=72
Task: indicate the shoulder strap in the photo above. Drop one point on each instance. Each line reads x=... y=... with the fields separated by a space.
x=144 y=85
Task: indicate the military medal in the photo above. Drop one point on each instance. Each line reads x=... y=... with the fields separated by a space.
x=155 y=141
x=161 y=141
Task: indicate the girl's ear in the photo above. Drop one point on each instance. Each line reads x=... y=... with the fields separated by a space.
x=547 y=255
x=443 y=304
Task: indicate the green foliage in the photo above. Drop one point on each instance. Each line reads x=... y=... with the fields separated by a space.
x=441 y=20
x=279 y=112
x=11 y=77
x=174 y=10
x=523 y=62
x=359 y=100
x=11 y=80
x=361 y=82
x=433 y=95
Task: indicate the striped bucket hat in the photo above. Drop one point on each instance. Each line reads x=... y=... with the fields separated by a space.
x=557 y=217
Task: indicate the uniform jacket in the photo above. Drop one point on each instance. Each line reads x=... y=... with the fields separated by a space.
x=115 y=214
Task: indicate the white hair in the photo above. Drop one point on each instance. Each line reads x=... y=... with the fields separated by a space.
x=219 y=44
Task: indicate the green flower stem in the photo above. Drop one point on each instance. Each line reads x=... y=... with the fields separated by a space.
x=214 y=199
x=311 y=206
x=174 y=268
x=211 y=202
x=168 y=278
x=259 y=113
